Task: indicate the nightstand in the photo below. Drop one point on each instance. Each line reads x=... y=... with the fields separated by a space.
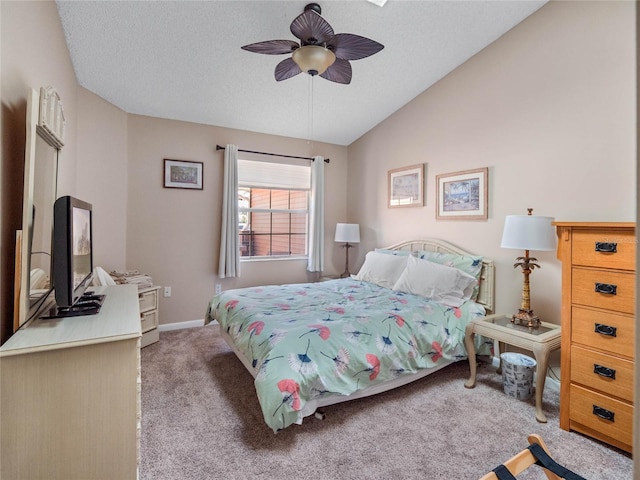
x=541 y=341
x=148 y=300
x=326 y=278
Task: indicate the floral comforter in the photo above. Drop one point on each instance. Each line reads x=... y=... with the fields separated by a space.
x=338 y=337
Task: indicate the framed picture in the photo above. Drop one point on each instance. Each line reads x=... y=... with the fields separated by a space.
x=182 y=174
x=406 y=186
x=462 y=195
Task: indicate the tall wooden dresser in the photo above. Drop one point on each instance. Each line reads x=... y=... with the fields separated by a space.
x=598 y=329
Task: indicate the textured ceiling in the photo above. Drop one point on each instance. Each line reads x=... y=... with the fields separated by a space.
x=182 y=59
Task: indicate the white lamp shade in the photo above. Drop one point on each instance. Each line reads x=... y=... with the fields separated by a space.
x=348 y=233
x=528 y=232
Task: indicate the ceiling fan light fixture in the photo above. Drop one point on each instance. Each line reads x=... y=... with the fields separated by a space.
x=313 y=59
x=320 y=52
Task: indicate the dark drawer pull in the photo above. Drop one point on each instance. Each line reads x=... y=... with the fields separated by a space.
x=606 y=247
x=606 y=288
x=603 y=413
x=605 y=330
x=604 y=371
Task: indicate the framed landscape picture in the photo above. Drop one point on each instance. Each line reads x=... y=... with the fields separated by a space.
x=462 y=195
x=182 y=174
x=406 y=186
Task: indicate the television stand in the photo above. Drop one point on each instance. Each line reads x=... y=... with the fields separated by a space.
x=70 y=394
x=88 y=304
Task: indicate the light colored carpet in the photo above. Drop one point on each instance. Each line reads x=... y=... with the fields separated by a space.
x=201 y=420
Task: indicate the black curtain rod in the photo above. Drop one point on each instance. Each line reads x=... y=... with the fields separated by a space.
x=326 y=160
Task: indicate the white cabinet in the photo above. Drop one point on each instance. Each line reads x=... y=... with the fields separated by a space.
x=148 y=298
x=70 y=394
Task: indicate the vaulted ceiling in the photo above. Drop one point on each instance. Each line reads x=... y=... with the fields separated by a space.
x=182 y=59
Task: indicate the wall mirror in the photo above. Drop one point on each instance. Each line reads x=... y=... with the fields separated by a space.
x=44 y=134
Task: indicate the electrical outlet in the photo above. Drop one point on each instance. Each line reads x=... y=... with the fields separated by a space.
x=167 y=292
x=218 y=288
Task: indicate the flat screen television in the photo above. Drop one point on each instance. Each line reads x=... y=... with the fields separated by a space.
x=72 y=258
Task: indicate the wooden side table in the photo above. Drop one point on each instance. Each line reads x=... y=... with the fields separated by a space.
x=541 y=341
x=326 y=278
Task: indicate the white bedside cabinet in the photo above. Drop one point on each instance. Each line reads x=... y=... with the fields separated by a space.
x=148 y=298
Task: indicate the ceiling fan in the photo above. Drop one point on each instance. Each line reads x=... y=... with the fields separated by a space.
x=320 y=51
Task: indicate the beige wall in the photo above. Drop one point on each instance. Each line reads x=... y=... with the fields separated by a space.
x=174 y=234
x=114 y=161
x=34 y=54
x=549 y=108
x=102 y=178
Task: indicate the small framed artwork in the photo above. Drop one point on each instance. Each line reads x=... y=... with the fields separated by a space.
x=182 y=174
x=406 y=186
x=462 y=195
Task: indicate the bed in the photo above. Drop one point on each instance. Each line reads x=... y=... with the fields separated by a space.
x=316 y=344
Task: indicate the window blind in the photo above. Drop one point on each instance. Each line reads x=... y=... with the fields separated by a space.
x=260 y=174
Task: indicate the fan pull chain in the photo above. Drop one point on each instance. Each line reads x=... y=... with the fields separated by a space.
x=310 y=112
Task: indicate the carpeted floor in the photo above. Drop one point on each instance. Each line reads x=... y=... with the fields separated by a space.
x=201 y=420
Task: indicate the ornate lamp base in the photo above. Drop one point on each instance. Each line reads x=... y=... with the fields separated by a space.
x=346 y=272
x=526 y=317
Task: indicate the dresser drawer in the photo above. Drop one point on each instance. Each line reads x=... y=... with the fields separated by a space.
x=608 y=374
x=604 y=248
x=581 y=410
x=148 y=300
x=590 y=287
x=149 y=320
x=611 y=332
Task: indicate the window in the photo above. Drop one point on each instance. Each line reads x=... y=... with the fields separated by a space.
x=273 y=208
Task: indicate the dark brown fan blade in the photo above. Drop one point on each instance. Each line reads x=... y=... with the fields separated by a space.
x=311 y=28
x=286 y=69
x=272 y=47
x=353 y=47
x=339 y=72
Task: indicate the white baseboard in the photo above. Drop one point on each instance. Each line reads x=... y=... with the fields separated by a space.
x=552 y=383
x=165 y=327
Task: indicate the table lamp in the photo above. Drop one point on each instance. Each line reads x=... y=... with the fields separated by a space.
x=528 y=232
x=348 y=233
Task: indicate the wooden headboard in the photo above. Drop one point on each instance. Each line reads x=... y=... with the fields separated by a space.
x=487 y=274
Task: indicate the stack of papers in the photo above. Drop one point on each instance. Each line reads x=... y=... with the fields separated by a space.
x=132 y=277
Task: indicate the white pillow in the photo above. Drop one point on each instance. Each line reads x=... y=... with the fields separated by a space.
x=382 y=269
x=435 y=282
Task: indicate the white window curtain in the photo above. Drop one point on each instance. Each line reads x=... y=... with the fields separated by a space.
x=316 y=217
x=229 y=265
